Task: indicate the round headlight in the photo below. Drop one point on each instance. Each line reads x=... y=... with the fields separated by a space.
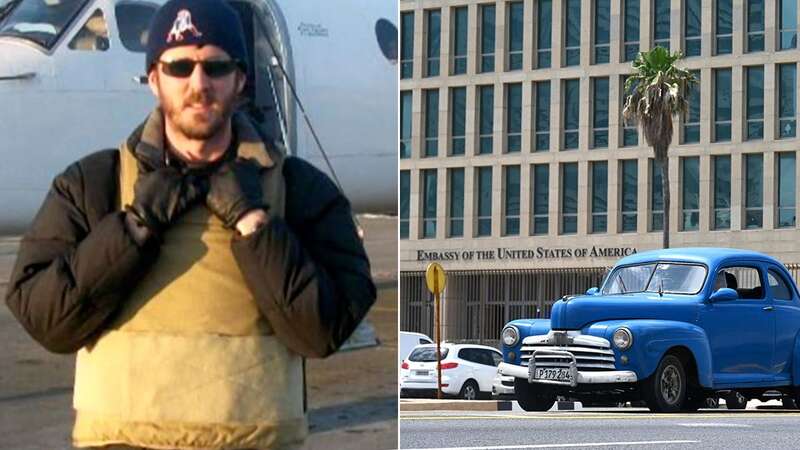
x=623 y=338
x=510 y=336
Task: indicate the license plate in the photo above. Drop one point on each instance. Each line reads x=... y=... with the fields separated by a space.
x=542 y=373
x=421 y=373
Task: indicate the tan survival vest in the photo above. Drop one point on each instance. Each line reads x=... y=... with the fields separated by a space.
x=191 y=363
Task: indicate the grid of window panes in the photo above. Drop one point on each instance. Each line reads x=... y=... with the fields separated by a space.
x=544 y=33
x=787 y=100
x=572 y=37
x=722 y=105
x=723 y=43
x=599 y=194
x=458 y=120
x=456 y=207
x=656 y=197
x=722 y=192
x=690 y=204
x=754 y=190
x=692 y=28
x=755 y=102
x=431 y=121
x=484 y=216
x=405 y=202
x=630 y=133
x=600 y=112
x=572 y=109
x=429 y=203
x=406 y=44
x=569 y=198
x=542 y=116
x=631 y=29
x=487 y=38
x=434 y=21
x=512 y=195
x=691 y=119
x=515 y=35
x=661 y=16
x=755 y=26
x=629 y=176
x=486 y=119
x=787 y=24
x=602 y=31
x=540 y=183
x=787 y=182
x=513 y=117
x=405 y=123
x=460 y=36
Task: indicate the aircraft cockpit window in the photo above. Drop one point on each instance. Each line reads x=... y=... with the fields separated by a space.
x=93 y=36
x=133 y=20
x=41 y=21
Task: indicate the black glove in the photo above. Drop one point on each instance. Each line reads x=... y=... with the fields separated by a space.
x=235 y=190
x=162 y=195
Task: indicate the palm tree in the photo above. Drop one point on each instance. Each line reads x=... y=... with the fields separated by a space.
x=656 y=93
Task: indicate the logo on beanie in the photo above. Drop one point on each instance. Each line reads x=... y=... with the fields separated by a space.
x=182 y=24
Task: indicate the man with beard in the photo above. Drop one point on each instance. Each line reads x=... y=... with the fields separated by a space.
x=194 y=267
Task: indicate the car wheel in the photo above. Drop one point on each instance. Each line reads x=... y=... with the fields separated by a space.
x=789 y=403
x=735 y=400
x=533 y=397
x=469 y=391
x=665 y=390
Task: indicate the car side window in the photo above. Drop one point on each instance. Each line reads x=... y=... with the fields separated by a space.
x=497 y=358
x=777 y=285
x=746 y=281
x=466 y=354
x=485 y=358
x=93 y=36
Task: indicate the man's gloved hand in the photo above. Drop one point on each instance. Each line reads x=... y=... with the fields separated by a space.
x=163 y=194
x=235 y=189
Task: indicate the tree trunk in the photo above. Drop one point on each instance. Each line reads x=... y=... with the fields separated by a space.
x=664 y=165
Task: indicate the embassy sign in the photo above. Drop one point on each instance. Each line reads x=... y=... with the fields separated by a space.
x=512 y=254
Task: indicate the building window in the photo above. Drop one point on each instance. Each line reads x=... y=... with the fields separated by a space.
x=429 y=203
x=542 y=118
x=656 y=197
x=572 y=109
x=691 y=119
x=722 y=105
x=458 y=120
x=405 y=194
x=722 y=192
x=787 y=23
x=755 y=26
x=661 y=12
x=460 y=36
x=630 y=134
x=456 y=209
x=786 y=189
x=407 y=44
x=486 y=119
x=630 y=179
x=511 y=206
x=515 y=34
x=405 y=124
x=631 y=29
x=484 y=201
x=434 y=21
x=754 y=190
x=599 y=196
x=600 y=112
x=724 y=27
x=787 y=99
x=755 y=102
x=513 y=117
x=544 y=33
x=569 y=198
x=431 y=122
x=572 y=41
x=602 y=31
x=541 y=198
x=692 y=28
x=690 y=210
x=487 y=38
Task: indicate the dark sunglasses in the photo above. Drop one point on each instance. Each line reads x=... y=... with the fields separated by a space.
x=182 y=68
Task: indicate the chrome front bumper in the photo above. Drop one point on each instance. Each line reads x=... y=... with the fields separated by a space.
x=578 y=377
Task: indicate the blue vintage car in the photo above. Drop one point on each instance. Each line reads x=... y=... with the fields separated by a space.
x=670 y=327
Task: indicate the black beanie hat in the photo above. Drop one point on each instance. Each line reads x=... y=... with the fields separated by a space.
x=196 y=22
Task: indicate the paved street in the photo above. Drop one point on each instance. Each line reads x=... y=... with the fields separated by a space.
x=352 y=395
x=601 y=428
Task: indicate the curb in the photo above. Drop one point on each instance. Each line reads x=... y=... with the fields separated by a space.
x=476 y=405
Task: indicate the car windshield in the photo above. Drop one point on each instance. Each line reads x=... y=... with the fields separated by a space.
x=40 y=21
x=425 y=354
x=669 y=278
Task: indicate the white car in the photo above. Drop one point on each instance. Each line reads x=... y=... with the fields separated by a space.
x=468 y=371
x=503 y=386
x=408 y=340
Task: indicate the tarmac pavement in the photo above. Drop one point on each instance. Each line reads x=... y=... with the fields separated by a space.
x=352 y=395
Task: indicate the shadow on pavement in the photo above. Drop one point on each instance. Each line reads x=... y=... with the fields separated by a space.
x=358 y=413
